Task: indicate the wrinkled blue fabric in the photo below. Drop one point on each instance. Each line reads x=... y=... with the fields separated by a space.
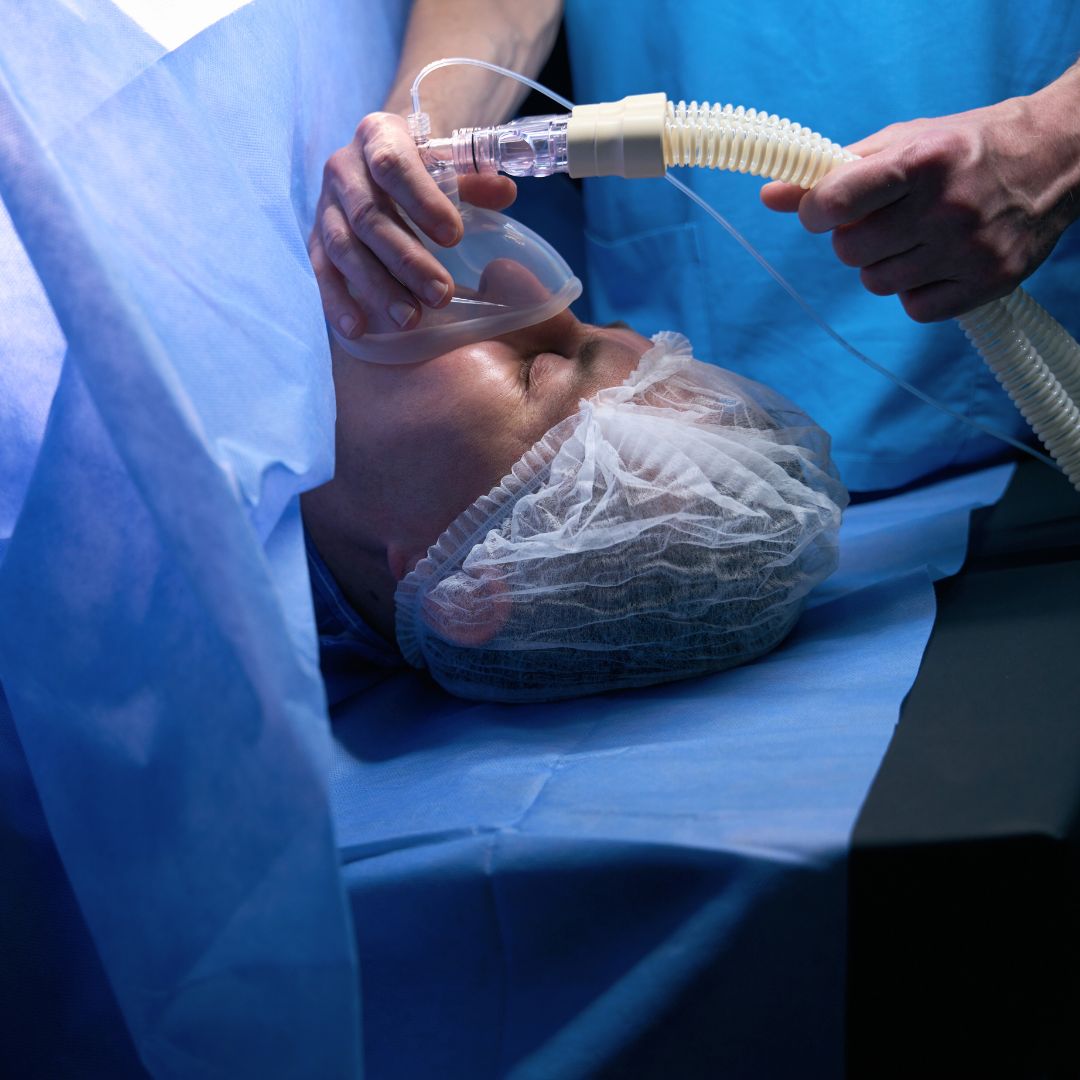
x=847 y=69
x=650 y=883
x=167 y=721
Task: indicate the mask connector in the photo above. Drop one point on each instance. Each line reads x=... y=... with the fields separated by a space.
x=529 y=146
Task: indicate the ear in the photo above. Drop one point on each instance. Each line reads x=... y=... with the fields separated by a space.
x=470 y=611
x=400 y=560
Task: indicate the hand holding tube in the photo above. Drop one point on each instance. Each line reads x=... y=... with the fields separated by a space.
x=373 y=273
x=952 y=212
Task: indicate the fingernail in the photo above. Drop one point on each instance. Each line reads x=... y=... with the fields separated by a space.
x=401 y=312
x=347 y=324
x=435 y=291
x=446 y=234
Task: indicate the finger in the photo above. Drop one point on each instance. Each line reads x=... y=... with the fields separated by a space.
x=939 y=301
x=852 y=191
x=489 y=190
x=782 y=197
x=385 y=302
x=395 y=166
x=872 y=144
x=888 y=232
x=340 y=309
x=372 y=218
x=903 y=273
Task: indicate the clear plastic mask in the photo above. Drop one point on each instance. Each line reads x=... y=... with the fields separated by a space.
x=505 y=277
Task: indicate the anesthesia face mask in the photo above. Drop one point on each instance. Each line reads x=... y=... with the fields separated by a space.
x=505 y=278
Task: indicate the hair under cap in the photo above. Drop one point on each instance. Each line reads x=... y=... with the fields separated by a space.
x=672 y=526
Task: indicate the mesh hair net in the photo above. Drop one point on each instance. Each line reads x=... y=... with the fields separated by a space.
x=672 y=526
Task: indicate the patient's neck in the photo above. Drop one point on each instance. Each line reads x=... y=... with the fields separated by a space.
x=359 y=566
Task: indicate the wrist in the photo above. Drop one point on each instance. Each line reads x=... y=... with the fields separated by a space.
x=459 y=96
x=1053 y=115
x=453 y=109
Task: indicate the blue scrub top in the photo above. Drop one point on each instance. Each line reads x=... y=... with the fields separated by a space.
x=845 y=69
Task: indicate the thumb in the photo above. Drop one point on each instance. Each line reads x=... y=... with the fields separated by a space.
x=489 y=190
x=785 y=198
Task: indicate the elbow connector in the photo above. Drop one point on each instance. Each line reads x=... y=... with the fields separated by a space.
x=618 y=138
x=531 y=146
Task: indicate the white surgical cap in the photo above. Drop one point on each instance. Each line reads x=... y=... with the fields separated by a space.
x=672 y=526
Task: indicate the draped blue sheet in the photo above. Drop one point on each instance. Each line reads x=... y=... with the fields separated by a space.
x=156 y=640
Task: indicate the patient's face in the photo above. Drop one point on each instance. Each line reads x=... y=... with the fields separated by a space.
x=417 y=443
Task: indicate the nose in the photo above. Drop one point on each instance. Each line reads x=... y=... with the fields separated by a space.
x=505 y=281
x=561 y=334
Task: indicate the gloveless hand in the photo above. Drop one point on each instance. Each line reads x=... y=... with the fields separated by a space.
x=953 y=212
x=373 y=272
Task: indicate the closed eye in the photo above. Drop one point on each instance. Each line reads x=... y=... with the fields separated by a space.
x=526 y=366
x=586 y=356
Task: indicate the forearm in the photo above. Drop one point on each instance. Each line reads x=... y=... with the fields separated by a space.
x=516 y=34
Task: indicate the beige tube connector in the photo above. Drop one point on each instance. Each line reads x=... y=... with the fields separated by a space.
x=618 y=138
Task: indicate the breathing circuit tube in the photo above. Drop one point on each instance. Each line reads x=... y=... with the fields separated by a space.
x=1030 y=353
